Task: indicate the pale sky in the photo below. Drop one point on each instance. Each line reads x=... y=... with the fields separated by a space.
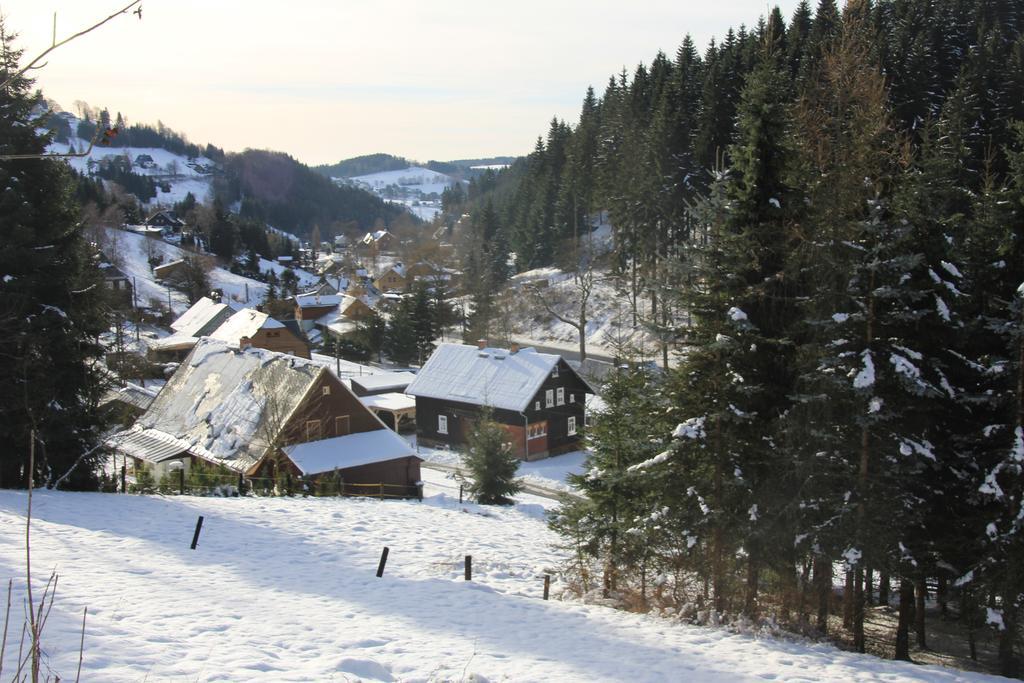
x=328 y=80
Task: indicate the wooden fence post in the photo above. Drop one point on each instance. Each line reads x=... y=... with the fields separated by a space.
x=181 y=480
x=460 y=494
x=469 y=567
x=547 y=585
x=381 y=495
x=241 y=484
x=195 y=536
x=124 y=472
x=383 y=561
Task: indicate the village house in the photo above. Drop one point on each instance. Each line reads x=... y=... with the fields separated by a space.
x=169 y=270
x=201 y=319
x=537 y=397
x=337 y=315
x=262 y=414
x=249 y=327
x=165 y=220
x=378 y=241
x=393 y=279
x=115 y=280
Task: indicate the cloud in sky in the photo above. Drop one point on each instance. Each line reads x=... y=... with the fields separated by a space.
x=330 y=79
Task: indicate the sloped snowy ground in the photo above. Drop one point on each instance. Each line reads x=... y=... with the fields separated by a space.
x=284 y=590
x=131 y=249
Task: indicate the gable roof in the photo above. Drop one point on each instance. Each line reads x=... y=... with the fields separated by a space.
x=221 y=404
x=245 y=323
x=353 y=450
x=491 y=377
x=202 y=317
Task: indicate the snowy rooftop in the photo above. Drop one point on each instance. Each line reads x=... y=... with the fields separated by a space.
x=493 y=377
x=390 y=401
x=140 y=397
x=198 y=316
x=315 y=300
x=353 y=450
x=245 y=323
x=385 y=380
x=221 y=402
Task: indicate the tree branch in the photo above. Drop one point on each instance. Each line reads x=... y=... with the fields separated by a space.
x=54 y=44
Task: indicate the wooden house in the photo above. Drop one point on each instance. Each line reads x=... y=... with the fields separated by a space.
x=201 y=319
x=165 y=220
x=259 y=414
x=249 y=327
x=537 y=397
x=169 y=270
x=393 y=279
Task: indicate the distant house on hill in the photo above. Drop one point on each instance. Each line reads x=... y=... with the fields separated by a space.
x=167 y=220
x=337 y=315
x=116 y=280
x=537 y=397
x=169 y=270
x=378 y=241
x=262 y=414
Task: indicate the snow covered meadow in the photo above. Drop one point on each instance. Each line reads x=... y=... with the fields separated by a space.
x=285 y=590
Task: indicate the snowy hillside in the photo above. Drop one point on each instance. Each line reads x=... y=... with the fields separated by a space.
x=418 y=188
x=181 y=174
x=131 y=251
x=285 y=590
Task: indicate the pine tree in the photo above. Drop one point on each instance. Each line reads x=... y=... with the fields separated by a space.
x=490 y=463
x=50 y=297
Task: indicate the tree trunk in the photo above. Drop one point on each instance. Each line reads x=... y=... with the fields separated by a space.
x=823 y=583
x=848 y=600
x=919 y=625
x=753 y=574
x=883 y=589
x=942 y=595
x=968 y=610
x=906 y=616
x=858 y=608
x=1009 y=662
x=869 y=586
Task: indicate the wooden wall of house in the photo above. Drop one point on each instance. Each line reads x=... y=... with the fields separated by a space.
x=313 y=312
x=282 y=340
x=339 y=402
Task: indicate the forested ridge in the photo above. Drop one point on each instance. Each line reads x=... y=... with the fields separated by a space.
x=825 y=217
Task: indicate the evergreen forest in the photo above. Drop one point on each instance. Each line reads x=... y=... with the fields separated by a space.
x=825 y=216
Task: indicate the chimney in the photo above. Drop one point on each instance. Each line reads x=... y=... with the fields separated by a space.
x=513 y=348
x=244 y=343
x=481 y=344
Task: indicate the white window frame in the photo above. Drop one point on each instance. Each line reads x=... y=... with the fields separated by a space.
x=536 y=405
x=560 y=396
x=311 y=426
x=549 y=398
x=571 y=426
x=326 y=391
x=442 y=424
x=572 y=397
x=554 y=371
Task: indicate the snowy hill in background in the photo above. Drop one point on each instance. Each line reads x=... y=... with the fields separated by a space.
x=130 y=252
x=416 y=187
x=283 y=589
x=177 y=173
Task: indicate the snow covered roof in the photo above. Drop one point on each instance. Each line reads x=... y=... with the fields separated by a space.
x=492 y=377
x=390 y=401
x=341 y=452
x=202 y=314
x=317 y=300
x=245 y=323
x=133 y=394
x=385 y=380
x=222 y=404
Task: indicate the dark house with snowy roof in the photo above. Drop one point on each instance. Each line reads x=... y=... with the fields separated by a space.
x=259 y=414
x=167 y=220
x=537 y=397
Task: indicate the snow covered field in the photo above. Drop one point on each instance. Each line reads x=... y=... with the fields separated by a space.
x=284 y=590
